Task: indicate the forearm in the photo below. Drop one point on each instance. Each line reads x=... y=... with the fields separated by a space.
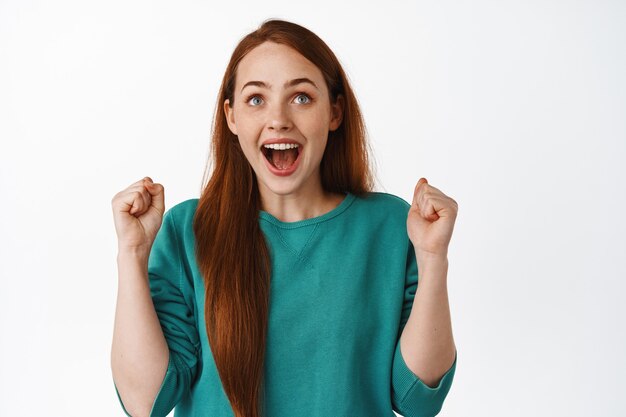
x=139 y=353
x=426 y=342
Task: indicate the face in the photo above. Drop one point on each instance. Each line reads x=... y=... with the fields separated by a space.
x=279 y=94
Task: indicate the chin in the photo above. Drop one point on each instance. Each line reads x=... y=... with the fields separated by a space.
x=281 y=187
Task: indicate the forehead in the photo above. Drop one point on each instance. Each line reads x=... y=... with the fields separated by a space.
x=275 y=63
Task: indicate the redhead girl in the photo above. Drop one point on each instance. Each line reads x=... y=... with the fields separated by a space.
x=290 y=286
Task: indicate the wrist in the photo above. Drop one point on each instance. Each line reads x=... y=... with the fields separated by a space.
x=429 y=257
x=432 y=270
x=133 y=255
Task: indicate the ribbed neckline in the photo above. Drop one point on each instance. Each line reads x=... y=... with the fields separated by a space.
x=345 y=203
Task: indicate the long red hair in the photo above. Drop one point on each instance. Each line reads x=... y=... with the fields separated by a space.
x=231 y=250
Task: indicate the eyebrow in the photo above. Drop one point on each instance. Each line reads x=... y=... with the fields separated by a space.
x=291 y=83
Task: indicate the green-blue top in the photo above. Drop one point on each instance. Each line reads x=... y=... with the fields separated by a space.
x=342 y=288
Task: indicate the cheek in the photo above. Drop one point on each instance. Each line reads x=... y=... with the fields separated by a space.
x=314 y=123
x=249 y=148
x=250 y=127
x=247 y=131
x=247 y=143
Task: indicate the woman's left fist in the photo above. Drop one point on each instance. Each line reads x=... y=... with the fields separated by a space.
x=431 y=220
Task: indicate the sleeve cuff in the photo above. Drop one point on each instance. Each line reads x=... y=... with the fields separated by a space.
x=166 y=398
x=411 y=396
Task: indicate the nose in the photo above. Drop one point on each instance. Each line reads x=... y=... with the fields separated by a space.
x=279 y=118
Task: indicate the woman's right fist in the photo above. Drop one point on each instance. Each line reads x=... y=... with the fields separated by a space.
x=138 y=213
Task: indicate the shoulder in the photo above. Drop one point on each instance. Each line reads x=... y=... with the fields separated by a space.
x=380 y=209
x=183 y=212
x=378 y=200
x=379 y=220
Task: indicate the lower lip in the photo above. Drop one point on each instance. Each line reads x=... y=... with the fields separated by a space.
x=282 y=172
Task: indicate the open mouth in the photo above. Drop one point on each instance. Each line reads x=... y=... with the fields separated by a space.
x=281 y=159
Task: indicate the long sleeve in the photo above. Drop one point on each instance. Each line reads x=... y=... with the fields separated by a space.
x=172 y=295
x=410 y=396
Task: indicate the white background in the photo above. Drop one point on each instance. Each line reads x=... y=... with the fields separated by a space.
x=515 y=109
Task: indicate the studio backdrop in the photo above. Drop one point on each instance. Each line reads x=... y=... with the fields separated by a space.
x=516 y=109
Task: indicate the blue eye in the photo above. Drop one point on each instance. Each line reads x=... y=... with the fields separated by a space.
x=304 y=95
x=251 y=97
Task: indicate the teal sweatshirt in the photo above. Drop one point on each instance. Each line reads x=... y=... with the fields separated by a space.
x=342 y=288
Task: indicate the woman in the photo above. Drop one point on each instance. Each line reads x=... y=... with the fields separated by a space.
x=284 y=289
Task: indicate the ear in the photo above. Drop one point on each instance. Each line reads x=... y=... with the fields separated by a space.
x=336 y=113
x=230 y=116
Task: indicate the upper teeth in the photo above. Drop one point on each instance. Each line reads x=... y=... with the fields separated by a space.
x=281 y=146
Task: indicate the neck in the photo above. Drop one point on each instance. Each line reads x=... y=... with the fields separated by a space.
x=301 y=204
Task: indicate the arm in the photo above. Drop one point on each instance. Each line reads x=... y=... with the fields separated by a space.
x=411 y=396
x=427 y=344
x=139 y=353
x=425 y=357
x=168 y=331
